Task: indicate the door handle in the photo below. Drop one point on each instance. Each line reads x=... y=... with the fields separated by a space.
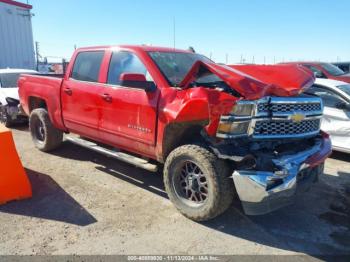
x=68 y=91
x=107 y=98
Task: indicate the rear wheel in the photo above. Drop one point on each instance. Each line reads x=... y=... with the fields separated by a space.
x=198 y=183
x=45 y=136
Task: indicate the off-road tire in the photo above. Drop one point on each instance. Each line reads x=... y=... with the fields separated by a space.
x=220 y=186
x=53 y=137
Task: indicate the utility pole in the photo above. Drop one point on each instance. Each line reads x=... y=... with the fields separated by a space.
x=241 y=59
x=226 y=59
x=37 y=55
x=174 y=32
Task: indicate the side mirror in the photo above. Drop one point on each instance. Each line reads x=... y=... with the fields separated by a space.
x=343 y=106
x=136 y=81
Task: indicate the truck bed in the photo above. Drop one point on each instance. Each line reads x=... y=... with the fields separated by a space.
x=42 y=89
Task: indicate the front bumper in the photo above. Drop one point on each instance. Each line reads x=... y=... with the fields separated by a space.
x=262 y=191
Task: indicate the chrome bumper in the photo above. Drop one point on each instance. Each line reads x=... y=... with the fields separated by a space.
x=262 y=192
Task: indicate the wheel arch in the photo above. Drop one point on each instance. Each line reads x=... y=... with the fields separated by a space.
x=178 y=134
x=35 y=102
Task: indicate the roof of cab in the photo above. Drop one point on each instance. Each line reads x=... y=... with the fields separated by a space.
x=145 y=48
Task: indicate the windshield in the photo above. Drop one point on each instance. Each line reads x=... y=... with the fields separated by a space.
x=345 y=89
x=9 y=80
x=175 y=65
x=332 y=69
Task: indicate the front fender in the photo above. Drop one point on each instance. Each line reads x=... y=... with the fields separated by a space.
x=195 y=104
x=190 y=107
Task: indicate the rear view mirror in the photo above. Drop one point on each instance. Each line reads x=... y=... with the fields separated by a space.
x=136 y=81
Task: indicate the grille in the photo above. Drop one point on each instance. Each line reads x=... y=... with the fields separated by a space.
x=282 y=108
x=285 y=128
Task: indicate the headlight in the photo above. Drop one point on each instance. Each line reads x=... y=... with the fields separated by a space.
x=233 y=128
x=243 y=109
x=238 y=122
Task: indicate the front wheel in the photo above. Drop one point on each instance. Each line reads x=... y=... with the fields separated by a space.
x=45 y=136
x=197 y=182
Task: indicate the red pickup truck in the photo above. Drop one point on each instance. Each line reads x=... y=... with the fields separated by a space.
x=217 y=130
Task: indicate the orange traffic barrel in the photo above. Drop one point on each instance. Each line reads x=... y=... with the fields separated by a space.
x=14 y=183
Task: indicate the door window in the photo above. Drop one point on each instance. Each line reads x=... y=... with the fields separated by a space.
x=125 y=62
x=87 y=66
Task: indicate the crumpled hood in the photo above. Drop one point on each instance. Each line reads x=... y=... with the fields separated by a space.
x=256 y=81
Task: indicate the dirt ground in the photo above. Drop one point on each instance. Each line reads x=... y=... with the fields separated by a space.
x=85 y=203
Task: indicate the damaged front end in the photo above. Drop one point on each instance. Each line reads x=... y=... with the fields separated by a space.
x=260 y=121
x=263 y=191
x=276 y=146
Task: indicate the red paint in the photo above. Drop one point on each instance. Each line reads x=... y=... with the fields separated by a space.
x=133 y=77
x=14 y=3
x=135 y=120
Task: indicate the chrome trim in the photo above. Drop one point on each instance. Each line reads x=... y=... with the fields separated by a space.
x=306 y=113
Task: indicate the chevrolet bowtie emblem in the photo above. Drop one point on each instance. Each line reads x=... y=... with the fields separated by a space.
x=297 y=118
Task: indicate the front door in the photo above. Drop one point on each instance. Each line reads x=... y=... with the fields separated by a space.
x=129 y=114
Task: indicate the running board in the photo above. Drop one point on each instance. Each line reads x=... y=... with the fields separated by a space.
x=133 y=160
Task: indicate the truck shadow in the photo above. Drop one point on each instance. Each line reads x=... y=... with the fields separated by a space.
x=49 y=201
x=313 y=225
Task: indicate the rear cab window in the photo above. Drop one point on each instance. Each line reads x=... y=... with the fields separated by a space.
x=87 y=66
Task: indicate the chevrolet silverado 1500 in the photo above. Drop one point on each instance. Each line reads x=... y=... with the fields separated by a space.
x=218 y=130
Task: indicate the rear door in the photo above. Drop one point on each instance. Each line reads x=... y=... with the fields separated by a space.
x=80 y=94
x=129 y=117
x=335 y=121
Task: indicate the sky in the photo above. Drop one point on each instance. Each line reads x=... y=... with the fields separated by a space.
x=232 y=31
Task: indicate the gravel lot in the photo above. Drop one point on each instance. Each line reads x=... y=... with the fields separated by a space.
x=85 y=203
